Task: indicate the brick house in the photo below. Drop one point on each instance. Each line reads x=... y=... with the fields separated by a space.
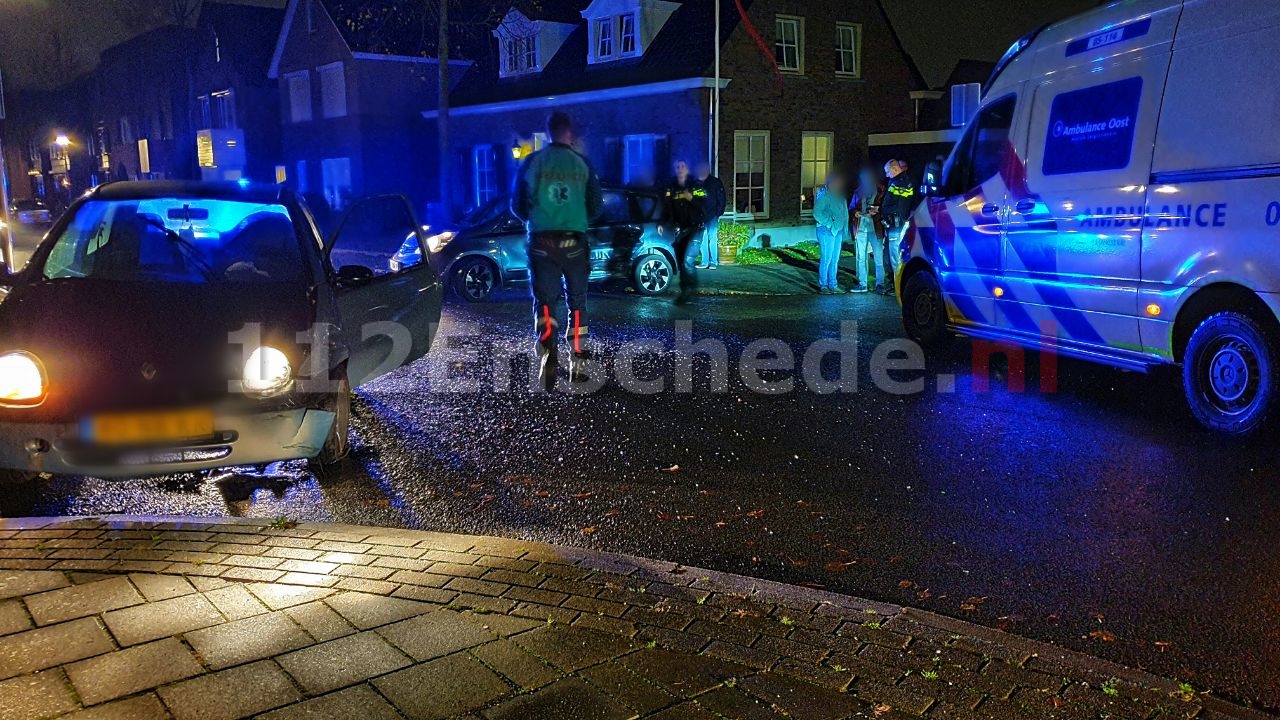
x=350 y=103
x=638 y=76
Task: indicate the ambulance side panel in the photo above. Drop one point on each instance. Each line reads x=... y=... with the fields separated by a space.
x=1074 y=237
x=1215 y=185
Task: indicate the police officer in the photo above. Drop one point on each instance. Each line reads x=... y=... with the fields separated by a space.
x=557 y=195
x=899 y=202
x=684 y=214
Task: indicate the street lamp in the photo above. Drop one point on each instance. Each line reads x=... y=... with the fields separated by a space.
x=62 y=140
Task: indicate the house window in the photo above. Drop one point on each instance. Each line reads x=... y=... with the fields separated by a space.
x=485 y=166
x=751 y=173
x=520 y=55
x=815 y=164
x=126 y=130
x=604 y=38
x=224 y=109
x=300 y=181
x=299 y=85
x=627 y=34
x=640 y=159
x=206 y=111
x=849 y=49
x=789 y=44
x=333 y=90
x=540 y=140
x=336 y=176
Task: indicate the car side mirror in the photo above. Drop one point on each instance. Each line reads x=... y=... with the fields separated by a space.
x=354 y=275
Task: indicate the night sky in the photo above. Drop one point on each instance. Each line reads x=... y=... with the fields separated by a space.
x=936 y=32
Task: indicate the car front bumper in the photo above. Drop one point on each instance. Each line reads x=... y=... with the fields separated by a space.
x=241 y=440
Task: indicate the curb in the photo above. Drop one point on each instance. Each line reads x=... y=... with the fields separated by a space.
x=1018 y=651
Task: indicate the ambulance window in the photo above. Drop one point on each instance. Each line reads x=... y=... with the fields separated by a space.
x=984 y=148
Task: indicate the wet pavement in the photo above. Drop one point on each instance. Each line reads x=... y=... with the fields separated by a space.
x=1097 y=516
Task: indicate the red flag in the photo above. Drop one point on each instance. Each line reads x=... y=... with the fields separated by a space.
x=760 y=43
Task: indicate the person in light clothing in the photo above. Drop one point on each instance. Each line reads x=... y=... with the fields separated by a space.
x=831 y=213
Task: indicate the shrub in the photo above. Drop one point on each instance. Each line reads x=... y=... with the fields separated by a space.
x=756 y=256
x=734 y=234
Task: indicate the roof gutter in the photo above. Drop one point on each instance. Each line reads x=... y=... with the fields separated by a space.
x=608 y=94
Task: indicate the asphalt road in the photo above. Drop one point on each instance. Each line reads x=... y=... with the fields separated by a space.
x=1097 y=516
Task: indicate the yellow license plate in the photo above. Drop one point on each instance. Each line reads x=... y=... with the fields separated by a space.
x=150 y=427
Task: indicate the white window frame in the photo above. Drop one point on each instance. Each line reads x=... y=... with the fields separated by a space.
x=854 y=54
x=640 y=157
x=778 y=43
x=300 y=109
x=519 y=55
x=484 y=173
x=821 y=166
x=763 y=213
x=635 y=35
x=603 y=32
x=222 y=109
x=333 y=90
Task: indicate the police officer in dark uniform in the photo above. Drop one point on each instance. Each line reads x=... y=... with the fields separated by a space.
x=899 y=203
x=557 y=195
x=684 y=215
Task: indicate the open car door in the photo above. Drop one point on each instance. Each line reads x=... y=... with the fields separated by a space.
x=388 y=310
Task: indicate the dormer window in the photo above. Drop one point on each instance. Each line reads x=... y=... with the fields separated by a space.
x=622 y=29
x=614 y=38
x=519 y=55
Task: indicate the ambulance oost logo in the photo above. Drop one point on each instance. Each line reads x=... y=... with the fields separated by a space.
x=558 y=193
x=1059 y=128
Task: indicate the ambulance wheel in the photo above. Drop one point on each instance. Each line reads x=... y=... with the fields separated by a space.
x=338 y=442
x=475 y=279
x=1229 y=373
x=924 y=313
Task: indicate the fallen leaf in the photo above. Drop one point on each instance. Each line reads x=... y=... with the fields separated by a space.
x=924 y=594
x=836 y=567
x=588 y=530
x=543 y=494
x=968 y=607
x=976 y=600
x=678 y=570
x=583 y=495
x=1098 y=616
x=1163 y=645
x=1052 y=617
x=882 y=708
x=799 y=563
x=613 y=513
x=672 y=469
x=721 y=524
x=1103 y=635
x=905 y=584
x=756 y=513
x=1057 y=701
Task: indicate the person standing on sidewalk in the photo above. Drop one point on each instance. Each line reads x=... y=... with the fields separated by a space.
x=831 y=213
x=716 y=202
x=870 y=232
x=899 y=202
x=557 y=194
x=684 y=216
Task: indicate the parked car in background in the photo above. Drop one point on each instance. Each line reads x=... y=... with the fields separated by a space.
x=167 y=327
x=488 y=252
x=29 y=212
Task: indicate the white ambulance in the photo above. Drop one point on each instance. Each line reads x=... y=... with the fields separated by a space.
x=1117 y=198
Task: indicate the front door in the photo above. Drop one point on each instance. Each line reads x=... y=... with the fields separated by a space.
x=388 y=311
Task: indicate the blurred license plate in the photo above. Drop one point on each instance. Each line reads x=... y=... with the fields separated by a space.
x=152 y=427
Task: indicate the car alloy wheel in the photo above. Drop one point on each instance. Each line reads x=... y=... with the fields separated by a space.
x=476 y=280
x=653 y=276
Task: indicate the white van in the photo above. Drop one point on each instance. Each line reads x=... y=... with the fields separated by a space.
x=1117 y=199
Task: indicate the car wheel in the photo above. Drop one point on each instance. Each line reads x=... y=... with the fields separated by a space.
x=924 y=312
x=338 y=443
x=653 y=274
x=1228 y=373
x=475 y=279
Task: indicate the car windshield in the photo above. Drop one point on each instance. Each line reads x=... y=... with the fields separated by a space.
x=486 y=212
x=180 y=240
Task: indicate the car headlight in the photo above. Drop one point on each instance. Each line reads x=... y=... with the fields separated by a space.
x=436 y=243
x=267 y=372
x=22 y=381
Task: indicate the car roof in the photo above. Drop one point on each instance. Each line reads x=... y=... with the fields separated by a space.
x=148 y=189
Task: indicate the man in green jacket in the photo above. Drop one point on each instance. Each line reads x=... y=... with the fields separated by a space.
x=557 y=195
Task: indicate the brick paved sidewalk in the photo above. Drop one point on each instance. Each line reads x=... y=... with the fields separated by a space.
x=135 y=618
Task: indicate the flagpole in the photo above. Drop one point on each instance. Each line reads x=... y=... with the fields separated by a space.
x=716 y=102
